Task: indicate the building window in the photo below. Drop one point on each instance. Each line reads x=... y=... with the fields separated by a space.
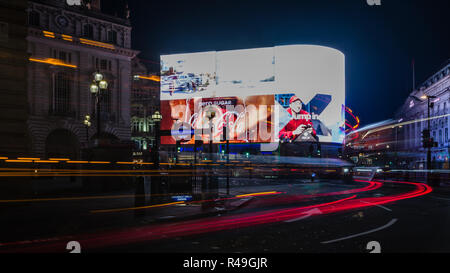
x=61 y=93
x=103 y=64
x=88 y=31
x=34 y=18
x=112 y=36
x=135 y=126
x=446 y=135
x=63 y=56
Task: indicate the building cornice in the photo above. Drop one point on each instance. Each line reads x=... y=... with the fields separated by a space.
x=82 y=11
x=38 y=35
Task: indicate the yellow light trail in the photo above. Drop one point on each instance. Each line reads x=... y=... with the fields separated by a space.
x=52 y=62
x=49 y=34
x=98 y=44
x=90 y=171
x=99 y=162
x=80 y=198
x=152 y=78
x=46 y=161
x=18 y=161
x=256 y=194
x=77 y=162
x=175 y=203
x=67 y=37
x=136 y=208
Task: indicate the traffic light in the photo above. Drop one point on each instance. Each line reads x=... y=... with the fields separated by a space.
x=178 y=146
x=197 y=143
x=224 y=133
x=433 y=143
x=426 y=138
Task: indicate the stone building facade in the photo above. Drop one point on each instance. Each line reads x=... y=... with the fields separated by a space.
x=66 y=45
x=415 y=109
x=13 y=89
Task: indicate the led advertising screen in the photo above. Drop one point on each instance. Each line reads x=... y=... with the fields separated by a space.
x=290 y=93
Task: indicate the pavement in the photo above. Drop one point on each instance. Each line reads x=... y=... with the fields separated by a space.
x=223 y=203
x=61 y=217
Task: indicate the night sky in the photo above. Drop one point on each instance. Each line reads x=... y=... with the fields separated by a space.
x=379 y=42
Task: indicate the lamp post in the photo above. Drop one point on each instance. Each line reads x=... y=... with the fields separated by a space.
x=157 y=117
x=211 y=115
x=98 y=86
x=227 y=138
x=429 y=105
x=87 y=123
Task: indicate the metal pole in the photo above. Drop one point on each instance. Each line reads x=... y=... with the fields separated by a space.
x=210 y=137
x=228 y=155
x=87 y=135
x=98 y=115
x=157 y=146
x=208 y=185
x=429 y=130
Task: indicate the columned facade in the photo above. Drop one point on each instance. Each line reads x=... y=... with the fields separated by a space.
x=66 y=45
x=415 y=109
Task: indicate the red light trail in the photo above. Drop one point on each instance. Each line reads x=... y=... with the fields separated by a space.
x=164 y=231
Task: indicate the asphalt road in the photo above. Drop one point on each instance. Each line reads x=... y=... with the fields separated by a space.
x=415 y=225
x=297 y=217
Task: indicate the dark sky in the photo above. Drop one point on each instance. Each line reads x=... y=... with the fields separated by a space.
x=379 y=42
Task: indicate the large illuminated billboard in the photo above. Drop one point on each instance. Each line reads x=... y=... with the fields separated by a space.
x=290 y=93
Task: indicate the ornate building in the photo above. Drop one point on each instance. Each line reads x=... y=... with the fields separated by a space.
x=414 y=112
x=145 y=101
x=13 y=88
x=66 y=45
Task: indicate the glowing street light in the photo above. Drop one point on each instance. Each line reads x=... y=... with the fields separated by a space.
x=98 y=77
x=87 y=123
x=98 y=86
x=94 y=88
x=157 y=116
x=103 y=85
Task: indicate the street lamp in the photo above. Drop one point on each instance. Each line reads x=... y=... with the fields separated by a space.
x=429 y=105
x=98 y=86
x=157 y=117
x=87 y=123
